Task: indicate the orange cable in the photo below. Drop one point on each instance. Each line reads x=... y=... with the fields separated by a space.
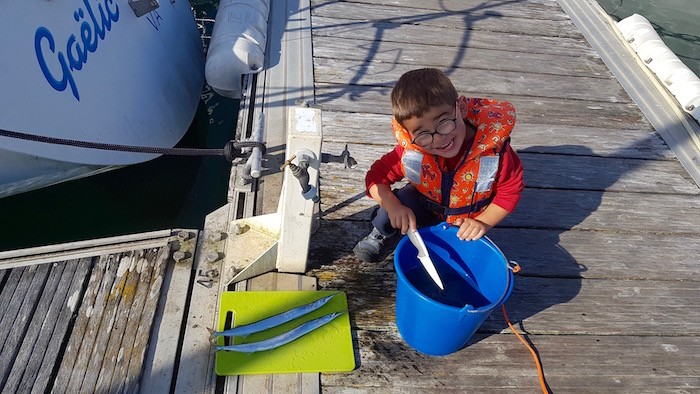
x=534 y=354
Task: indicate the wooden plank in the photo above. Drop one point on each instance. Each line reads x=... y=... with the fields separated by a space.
x=544 y=253
x=37 y=320
x=563 y=210
x=501 y=362
x=74 y=363
x=13 y=277
x=54 y=340
x=473 y=81
x=159 y=366
x=533 y=109
x=532 y=9
x=104 y=328
x=611 y=174
x=608 y=211
x=195 y=371
x=460 y=20
x=303 y=383
x=386 y=31
x=18 y=316
x=360 y=129
x=444 y=57
x=390 y=32
x=572 y=172
x=548 y=305
x=605 y=307
x=109 y=352
x=140 y=324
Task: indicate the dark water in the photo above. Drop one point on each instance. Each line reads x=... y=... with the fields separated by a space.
x=458 y=292
x=676 y=21
x=168 y=192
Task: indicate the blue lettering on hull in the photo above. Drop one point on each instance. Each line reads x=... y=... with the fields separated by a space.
x=92 y=29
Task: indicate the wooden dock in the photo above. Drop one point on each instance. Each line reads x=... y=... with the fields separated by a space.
x=607 y=232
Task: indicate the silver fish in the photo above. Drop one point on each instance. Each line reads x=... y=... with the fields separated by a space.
x=273 y=321
x=281 y=339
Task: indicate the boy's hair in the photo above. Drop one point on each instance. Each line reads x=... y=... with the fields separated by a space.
x=418 y=90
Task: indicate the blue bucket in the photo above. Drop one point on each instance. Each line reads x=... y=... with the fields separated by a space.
x=477 y=279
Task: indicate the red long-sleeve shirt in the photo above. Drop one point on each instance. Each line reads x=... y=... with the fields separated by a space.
x=507 y=186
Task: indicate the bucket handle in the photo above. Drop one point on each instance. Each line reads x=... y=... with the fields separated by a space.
x=467 y=309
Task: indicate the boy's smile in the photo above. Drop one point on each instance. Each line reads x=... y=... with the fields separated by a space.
x=438 y=121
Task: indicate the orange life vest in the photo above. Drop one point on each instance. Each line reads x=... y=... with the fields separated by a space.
x=467 y=190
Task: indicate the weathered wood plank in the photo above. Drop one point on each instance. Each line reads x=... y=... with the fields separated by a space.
x=375 y=129
x=611 y=174
x=388 y=31
x=140 y=324
x=124 y=293
x=53 y=340
x=607 y=211
x=543 y=171
x=500 y=362
x=7 y=308
x=532 y=9
x=473 y=81
x=547 y=305
x=560 y=209
x=444 y=57
x=544 y=253
x=18 y=315
x=562 y=112
x=110 y=313
x=159 y=366
x=37 y=320
x=74 y=363
x=459 y=19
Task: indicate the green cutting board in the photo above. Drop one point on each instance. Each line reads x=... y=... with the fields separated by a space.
x=326 y=349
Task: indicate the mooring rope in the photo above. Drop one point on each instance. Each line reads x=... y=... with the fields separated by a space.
x=233 y=149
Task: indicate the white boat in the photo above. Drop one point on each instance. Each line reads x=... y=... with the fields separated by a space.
x=122 y=72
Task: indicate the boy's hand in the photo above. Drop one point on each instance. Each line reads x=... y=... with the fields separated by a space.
x=402 y=218
x=471 y=229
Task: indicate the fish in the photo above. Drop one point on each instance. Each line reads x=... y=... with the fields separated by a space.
x=281 y=339
x=273 y=321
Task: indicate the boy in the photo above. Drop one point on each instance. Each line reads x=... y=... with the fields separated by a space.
x=456 y=155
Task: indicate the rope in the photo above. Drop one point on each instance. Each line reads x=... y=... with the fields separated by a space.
x=230 y=151
x=530 y=347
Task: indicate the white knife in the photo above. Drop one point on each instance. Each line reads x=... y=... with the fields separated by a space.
x=424 y=257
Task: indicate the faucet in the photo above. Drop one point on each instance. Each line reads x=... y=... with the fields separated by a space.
x=301 y=172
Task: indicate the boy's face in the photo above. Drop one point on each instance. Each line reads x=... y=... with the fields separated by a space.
x=446 y=125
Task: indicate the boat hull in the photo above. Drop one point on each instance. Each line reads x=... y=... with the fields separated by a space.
x=91 y=70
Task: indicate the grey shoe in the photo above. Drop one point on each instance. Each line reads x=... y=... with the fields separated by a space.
x=374 y=247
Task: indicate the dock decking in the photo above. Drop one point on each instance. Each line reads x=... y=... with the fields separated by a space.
x=607 y=232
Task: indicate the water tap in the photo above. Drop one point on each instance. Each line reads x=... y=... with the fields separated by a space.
x=301 y=172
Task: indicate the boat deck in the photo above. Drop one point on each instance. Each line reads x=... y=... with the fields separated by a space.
x=606 y=233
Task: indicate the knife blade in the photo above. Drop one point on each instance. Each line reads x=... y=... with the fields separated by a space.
x=424 y=257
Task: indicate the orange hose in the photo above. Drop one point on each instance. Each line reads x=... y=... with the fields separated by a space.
x=540 y=371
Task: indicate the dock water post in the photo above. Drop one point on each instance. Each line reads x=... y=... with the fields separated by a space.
x=280 y=240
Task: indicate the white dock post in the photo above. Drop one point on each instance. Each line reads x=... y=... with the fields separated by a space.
x=281 y=240
x=296 y=207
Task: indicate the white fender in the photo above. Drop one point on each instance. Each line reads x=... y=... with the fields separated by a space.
x=669 y=69
x=237 y=44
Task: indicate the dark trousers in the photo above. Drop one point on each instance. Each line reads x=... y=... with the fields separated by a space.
x=412 y=198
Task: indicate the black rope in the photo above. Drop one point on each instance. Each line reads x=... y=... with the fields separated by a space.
x=232 y=149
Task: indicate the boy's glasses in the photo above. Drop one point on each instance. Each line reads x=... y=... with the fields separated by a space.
x=444 y=127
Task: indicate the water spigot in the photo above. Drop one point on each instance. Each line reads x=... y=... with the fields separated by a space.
x=301 y=172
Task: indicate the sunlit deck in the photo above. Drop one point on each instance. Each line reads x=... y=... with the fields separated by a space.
x=607 y=232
